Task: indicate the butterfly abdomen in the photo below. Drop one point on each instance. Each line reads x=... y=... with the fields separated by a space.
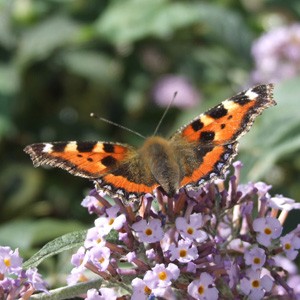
x=161 y=161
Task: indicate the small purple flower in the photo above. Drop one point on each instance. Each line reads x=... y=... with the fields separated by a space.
x=283 y=203
x=262 y=189
x=203 y=288
x=10 y=261
x=255 y=258
x=254 y=286
x=267 y=229
x=91 y=203
x=35 y=279
x=79 y=259
x=140 y=290
x=102 y=294
x=150 y=232
x=112 y=221
x=184 y=252
x=164 y=89
x=191 y=230
x=289 y=243
x=94 y=237
x=99 y=256
x=76 y=277
x=161 y=276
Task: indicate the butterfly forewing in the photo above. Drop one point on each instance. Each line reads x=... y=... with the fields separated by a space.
x=226 y=122
x=85 y=159
x=207 y=145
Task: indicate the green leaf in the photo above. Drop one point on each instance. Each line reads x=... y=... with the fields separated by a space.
x=37 y=231
x=63 y=243
x=226 y=26
x=69 y=291
x=93 y=66
x=127 y=21
x=40 y=41
x=9 y=79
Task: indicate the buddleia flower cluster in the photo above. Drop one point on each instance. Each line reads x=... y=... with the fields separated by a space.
x=277 y=54
x=224 y=241
x=15 y=281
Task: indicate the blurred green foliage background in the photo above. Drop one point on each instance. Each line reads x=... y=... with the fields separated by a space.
x=61 y=60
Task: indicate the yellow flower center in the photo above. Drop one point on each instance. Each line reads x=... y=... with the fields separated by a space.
x=101 y=260
x=255 y=283
x=190 y=230
x=162 y=275
x=287 y=246
x=7 y=262
x=111 y=221
x=182 y=253
x=268 y=231
x=148 y=231
x=256 y=260
x=201 y=290
x=147 y=291
x=82 y=278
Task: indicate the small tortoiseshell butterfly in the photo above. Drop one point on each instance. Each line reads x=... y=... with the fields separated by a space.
x=196 y=154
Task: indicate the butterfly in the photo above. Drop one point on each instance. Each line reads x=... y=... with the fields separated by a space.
x=195 y=154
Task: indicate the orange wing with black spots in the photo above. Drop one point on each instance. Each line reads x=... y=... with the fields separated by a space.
x=229 y=120
x=84 y=159
x=213 y=135
x=116 y=168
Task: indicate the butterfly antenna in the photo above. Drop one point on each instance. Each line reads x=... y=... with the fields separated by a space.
x=93 y=115
x=164 y=114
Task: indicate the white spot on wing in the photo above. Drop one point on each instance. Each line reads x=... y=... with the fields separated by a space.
x=230 y=105
x=251 y=95
x=71 y=146
x=47 y=148
x=98 y=147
